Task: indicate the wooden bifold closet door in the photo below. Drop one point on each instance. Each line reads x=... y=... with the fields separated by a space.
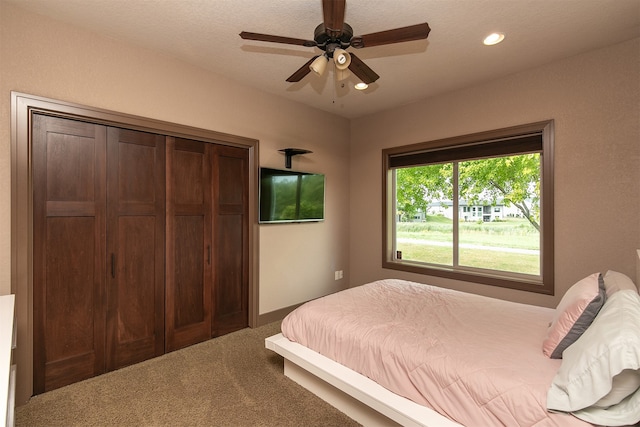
x=69 y=251
x=135 y=246
x=207 y=242
x=99 y=226
x=140 y=246
x=189 y=251
x=231 y=226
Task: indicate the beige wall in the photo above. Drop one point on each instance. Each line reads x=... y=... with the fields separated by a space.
x=594 y=99
x=42 y=57
x=46 y=58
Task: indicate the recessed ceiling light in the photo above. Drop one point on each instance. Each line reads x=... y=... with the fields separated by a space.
x=493 y=38
x=361 y=86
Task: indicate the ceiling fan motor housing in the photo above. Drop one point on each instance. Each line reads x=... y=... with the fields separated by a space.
x=329 y=44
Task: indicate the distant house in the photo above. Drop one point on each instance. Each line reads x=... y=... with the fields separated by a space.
x=486 y=213
x=475 y=212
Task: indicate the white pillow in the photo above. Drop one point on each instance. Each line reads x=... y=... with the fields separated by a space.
x=608 y=347
x=614 y=282
x=622 y=385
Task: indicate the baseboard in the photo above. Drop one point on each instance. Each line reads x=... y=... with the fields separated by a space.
x=276 y=315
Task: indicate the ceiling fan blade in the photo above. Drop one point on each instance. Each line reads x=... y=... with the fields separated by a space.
x=301 y=72
x=333 y=14
x=362 y=70
x=398 y=35
x=276 y=39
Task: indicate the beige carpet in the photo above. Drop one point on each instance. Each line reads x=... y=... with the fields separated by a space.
x=227 y=381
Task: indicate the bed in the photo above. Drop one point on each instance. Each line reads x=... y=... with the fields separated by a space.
x=398 y=352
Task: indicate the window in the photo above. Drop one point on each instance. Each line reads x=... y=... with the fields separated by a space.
x=486 y=204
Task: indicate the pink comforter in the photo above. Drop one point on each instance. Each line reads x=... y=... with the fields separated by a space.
x=474 y=359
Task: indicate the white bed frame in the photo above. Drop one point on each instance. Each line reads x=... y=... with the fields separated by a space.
x=356 y=395
x=359 y=397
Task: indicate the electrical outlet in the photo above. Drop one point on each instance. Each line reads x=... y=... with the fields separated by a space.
x=338 y=274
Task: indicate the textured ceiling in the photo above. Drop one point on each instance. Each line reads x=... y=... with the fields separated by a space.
x=205 y=33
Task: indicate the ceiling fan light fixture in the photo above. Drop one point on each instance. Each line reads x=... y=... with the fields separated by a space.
x=342 y=58
x=361 y=86
x=319 y=65
x=342 y=74
x=493 y=39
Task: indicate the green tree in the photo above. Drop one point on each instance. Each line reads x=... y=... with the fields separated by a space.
x=418 y=187
x=513 y=179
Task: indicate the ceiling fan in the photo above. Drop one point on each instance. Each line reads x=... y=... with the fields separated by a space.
x=334 y=36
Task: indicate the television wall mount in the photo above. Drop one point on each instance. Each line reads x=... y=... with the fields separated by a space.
x=290 y=152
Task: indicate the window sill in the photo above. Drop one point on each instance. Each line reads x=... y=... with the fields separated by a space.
x=523 y=284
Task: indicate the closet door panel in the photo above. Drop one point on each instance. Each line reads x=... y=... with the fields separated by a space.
x=70 y=301
x=231 y=283
x=135 y=243
x=136 y=317
x=189 y=271
x=189 y=259
x=69 y=251
x=229 y=286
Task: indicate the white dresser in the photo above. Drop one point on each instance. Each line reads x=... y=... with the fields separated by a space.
x=7 y=369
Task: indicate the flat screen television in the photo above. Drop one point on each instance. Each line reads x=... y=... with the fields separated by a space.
x=289 y=196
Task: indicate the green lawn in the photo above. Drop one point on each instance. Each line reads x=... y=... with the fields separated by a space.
x=431 y=242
